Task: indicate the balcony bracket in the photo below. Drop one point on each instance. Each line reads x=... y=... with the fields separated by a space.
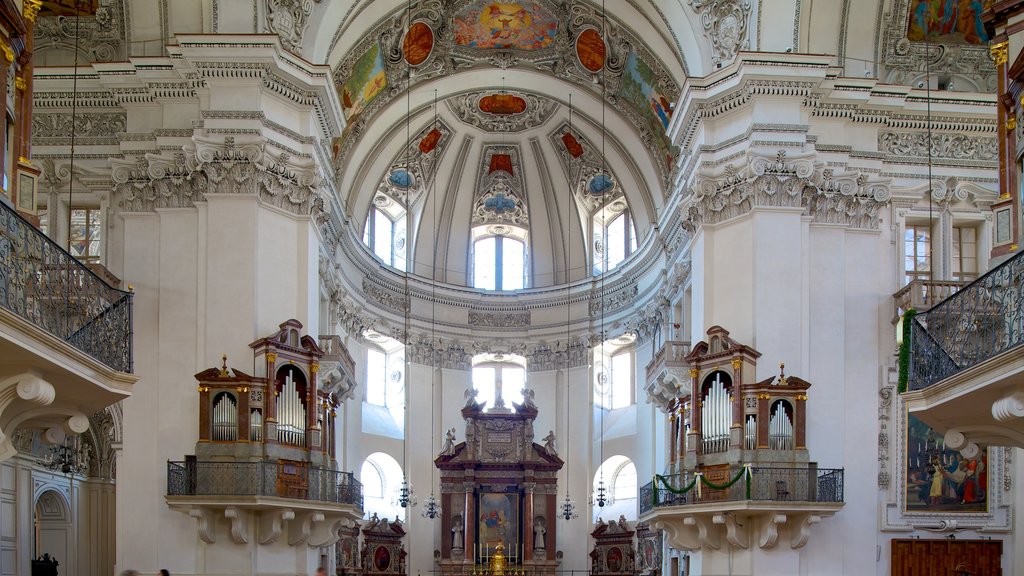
x=301 y=529
x=28 y=388
x=239 y=526
x=803 y=529
x=326 y=533
x=272 y=524
x=205 y=524
x=735 y=533
x=770 y=530
x=679 y=537
x=707 y=534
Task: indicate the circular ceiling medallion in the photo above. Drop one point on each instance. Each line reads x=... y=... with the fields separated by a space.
x=600 y=184
x=591 y=50
x=400 y=178
x=502 y=104
x=418 y=43
x=499 y=230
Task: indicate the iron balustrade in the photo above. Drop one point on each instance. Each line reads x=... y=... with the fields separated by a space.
x=277 y=479
x=984 y=319
x=45 y=285
x=767 y=484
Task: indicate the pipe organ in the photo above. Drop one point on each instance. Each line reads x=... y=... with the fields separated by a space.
x=737 y=419
x=282 y=411
x=291 y=412
x=716 y=413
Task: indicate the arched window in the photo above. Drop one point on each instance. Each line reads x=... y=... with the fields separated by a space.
x=614 y=373
x=499 y=258
x=381 y=476
x=499 y=380
x=385 y=231
x=619 y=475
x=614 y=236
x=385 y=386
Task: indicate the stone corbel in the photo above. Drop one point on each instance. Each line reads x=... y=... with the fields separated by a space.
x=326 y=534
x=239 y=527
x=770 y=530
x=205 y=524
x=302 y=529
x=707 y=535
x=272 y=524
x=735 y=533
x=680 y=539
x=802 y=530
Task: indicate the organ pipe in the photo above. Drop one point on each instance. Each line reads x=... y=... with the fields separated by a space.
x=291 y=414
x=780 y=429
x=225 y=418
x=256 y=425
x=716 y=417
x=751 y=433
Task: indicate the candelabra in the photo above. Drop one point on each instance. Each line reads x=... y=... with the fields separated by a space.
x=601 y=497
x=66 y=458
x=432 y=507
x=406 y=496
x=567 y=509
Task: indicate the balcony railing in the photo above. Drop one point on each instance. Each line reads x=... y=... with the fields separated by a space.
x=980 y=321
x=822 y=485
x=48 y=287
x=672 y=351
x=336 y=351
x=921 y=295
x=276 y=479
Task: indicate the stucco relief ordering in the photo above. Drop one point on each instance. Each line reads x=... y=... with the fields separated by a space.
x=99 y=39
x=725 y=25
x=289 y=20
x=955 y=146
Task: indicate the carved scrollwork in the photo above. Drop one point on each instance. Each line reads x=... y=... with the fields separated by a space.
x=725 y=26
x=289 y=20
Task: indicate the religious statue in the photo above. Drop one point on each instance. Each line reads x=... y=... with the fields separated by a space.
x=471 y=397
x=528 y=396
x=457 y=532
x=449 y=443
x=538 y=534
x=549 y=444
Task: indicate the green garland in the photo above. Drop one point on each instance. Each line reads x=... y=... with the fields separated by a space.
x=904 y=367
x=664 y=482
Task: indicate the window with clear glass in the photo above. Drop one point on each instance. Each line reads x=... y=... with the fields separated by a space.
x=965 y=253
x=385 y=382
x=381 y=477
x=86 y=234
x=614 y=241
x=917 y=253
x=385 y=234
x=499 y=263
x=619 y=476
x=499 y=382
x=613 y=373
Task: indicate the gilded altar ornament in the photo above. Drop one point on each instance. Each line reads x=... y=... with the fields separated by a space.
x=8 y=53
x=693 y=372
x=736 y=363
x=31 y=9
x=764 y=396
x=1011 y=122
x=498 y=560
x=19 y=83
x=271 y=357
x=1000 y=53
x=801 y=397
x=314 y=368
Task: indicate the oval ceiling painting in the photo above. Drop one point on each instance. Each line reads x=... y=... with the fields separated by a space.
x=503 y=104
x=418 y=43
x=590 y=49
x=522 y=25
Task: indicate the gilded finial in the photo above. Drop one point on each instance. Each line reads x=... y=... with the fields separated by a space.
x=224 y=366
x=782 y=373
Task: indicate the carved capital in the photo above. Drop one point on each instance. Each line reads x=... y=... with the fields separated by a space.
x=1000 y=53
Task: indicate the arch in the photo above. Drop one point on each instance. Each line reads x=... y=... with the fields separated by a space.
x=715 y=411
x=619 y=475
x=290 y=386
x=51 y=512
x=381 y=476
x=224 y=417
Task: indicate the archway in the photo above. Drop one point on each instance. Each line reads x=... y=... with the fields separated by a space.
x=52 y=526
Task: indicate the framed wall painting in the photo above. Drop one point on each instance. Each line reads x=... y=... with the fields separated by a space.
x=498 y=522
x=27 y=200
x=939 y=479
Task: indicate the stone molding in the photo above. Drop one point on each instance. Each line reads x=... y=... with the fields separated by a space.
x=289 y=19
x=90 y=128
x=725 y=24
x=100 y=39
x=943 y=145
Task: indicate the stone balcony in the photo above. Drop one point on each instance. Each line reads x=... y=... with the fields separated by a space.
x=667 y=374
x=921 y=295
x=262 y=500
x=65 y=337
x=966 y=372
x=760 y=507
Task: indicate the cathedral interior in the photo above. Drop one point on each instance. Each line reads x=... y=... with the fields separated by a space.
x=511 y=287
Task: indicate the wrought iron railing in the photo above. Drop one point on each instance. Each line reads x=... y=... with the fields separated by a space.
x=280 y=479
x=48 y=287
x=809 y=484
x=983 y=319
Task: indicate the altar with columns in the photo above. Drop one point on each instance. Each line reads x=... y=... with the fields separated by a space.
x=498 y=492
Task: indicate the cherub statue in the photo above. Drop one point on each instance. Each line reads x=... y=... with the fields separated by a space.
x=471 y=397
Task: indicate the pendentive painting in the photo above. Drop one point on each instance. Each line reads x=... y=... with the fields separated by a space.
x=639 y=88
x=946 y=22
x=487 y=24
x=939 y=479
x=366 y=81
x=498 y=522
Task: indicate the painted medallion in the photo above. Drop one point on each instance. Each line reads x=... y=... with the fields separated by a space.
x=590 y=49
x=418 y=43
x=502 y=104
x=505 y=25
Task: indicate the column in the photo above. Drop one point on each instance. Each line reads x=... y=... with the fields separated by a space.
x=528 y=521
x=1007 y=125
x=204 y=413
x=243 y=413
x=468 y=521
x=800 y=422
x=696 y=403
x=763 y=418
x=737 y=398
x=270 y=399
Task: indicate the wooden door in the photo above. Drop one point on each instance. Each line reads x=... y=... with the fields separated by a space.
x=946 y=557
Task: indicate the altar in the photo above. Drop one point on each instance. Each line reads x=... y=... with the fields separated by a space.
x=499 y=494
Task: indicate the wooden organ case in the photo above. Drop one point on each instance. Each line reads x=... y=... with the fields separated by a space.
x=498 y=487
x=283 y=414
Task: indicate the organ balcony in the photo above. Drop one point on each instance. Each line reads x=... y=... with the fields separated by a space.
x=739 y=470
x=965 y=376
x=266 y=449
x=65 y=337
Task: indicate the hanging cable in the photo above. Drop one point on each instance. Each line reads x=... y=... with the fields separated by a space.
x=567 y=509
x=71 y=164
x=432 y=508
x=405 y=495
